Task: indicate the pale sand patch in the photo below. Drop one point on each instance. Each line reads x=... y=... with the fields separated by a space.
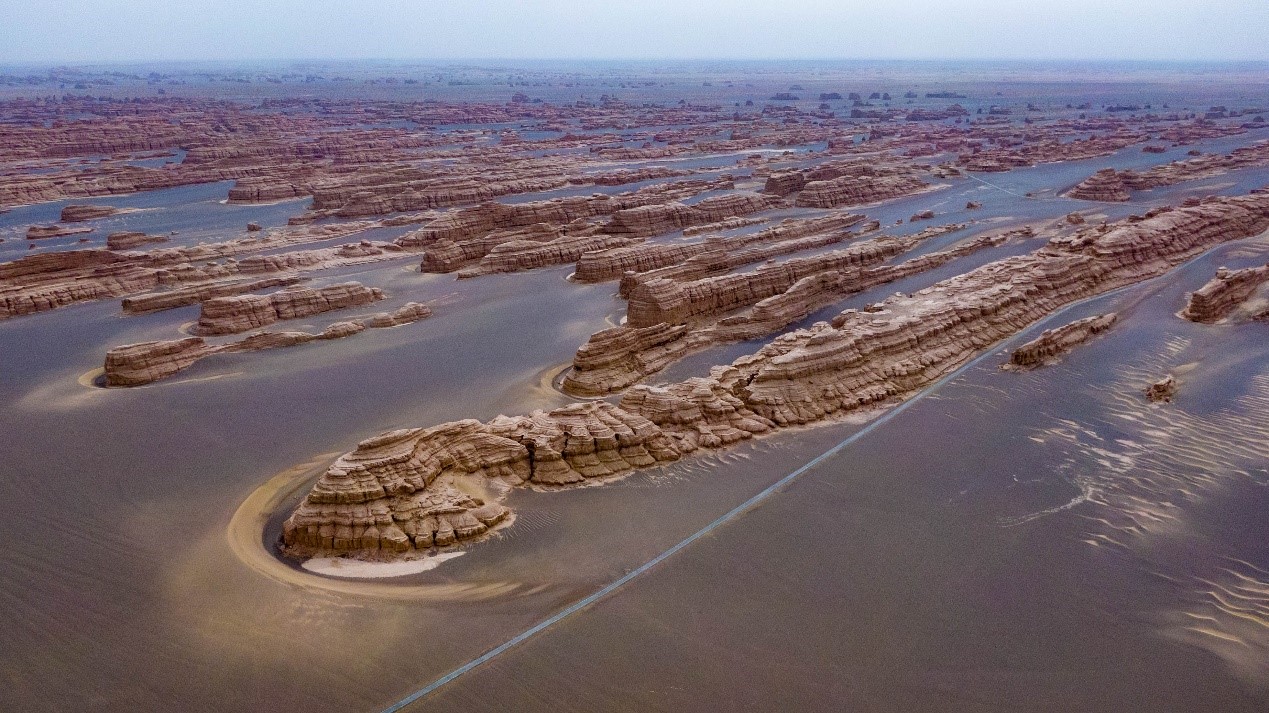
x=344 y=567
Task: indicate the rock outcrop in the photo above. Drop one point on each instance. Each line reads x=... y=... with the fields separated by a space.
x=684 y=261
x=1162 y=391
x=384 y=495
x=1105 y=185
x=81 y=213
x=1054 y=343
x=1224 y=293
x=130 y=239
x=662 y=299
x=857 y=190
x=41 y=232
x=239 y=313
x=146 y=362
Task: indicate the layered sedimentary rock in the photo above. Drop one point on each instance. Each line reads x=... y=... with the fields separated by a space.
x=41 y=282
x=130 y=239
x=1054 y=343
x=459 y=238
x=614 y=359
x=662 y=299
x=857 y=190
x=517 y=256
x=447 y=255
x=655 y=219
x=1105 y=185
x=80 y=213
x=147 y=362
x=860 y=359
x=239 y=313
x=1224 y=293
x=384 y=495
x=604 y=265
x=183 y=297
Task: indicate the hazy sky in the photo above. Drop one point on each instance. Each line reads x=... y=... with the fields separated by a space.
x=101 y=30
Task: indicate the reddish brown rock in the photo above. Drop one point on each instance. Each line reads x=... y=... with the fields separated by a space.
x=393 y=493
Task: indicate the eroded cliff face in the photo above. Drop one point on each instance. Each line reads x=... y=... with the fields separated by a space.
x=392 y=494
x=1224 y=293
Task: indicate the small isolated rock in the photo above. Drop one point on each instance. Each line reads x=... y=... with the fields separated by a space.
x=973 y=205
x=1162 y=390
x=253 y=227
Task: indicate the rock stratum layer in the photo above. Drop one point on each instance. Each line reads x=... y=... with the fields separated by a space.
x=395 y=492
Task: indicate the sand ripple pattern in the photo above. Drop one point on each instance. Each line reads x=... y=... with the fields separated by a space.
x=1145 y=482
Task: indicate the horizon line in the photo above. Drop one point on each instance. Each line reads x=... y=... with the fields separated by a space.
x=649 y=60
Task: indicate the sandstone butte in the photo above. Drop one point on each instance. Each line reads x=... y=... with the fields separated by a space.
x=396 y=491
x=1054 y=343
x=147 y=362
x=1224 y=293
